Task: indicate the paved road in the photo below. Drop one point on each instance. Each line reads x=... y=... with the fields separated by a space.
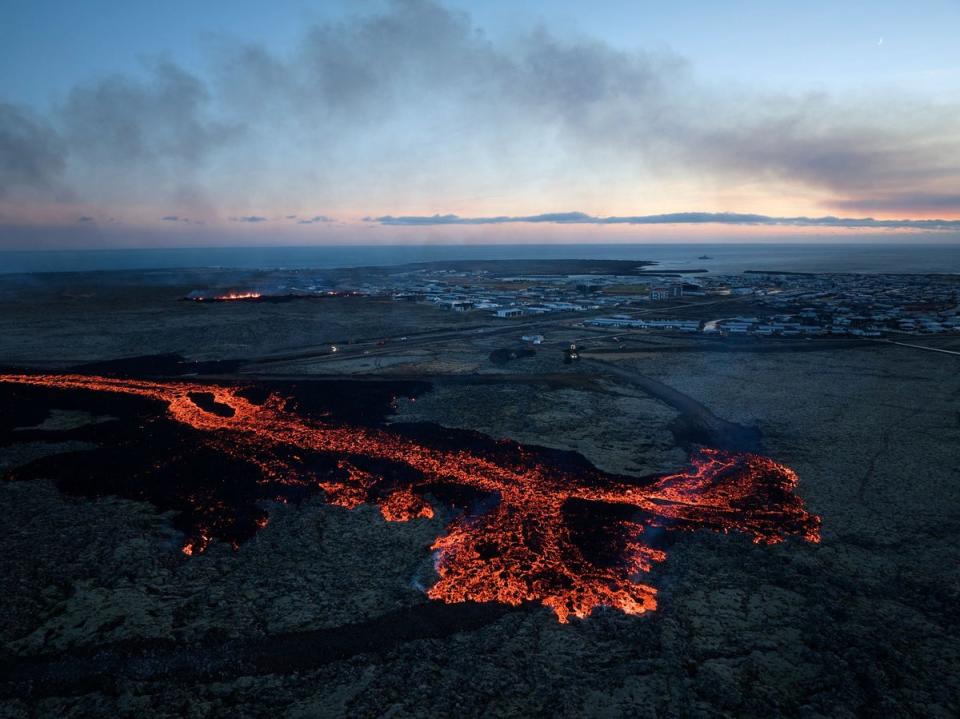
x=696 y=424
x=920 y=347
x=373 y=348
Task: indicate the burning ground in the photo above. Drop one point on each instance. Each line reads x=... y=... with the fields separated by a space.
x=533 y=525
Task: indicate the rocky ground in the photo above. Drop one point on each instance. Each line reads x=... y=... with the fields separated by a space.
x=93 y=316
x=863 y=624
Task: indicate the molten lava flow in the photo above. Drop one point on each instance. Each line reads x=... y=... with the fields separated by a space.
x=527 y=547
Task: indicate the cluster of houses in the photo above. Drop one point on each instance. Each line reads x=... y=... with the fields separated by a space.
x=781 y=304
x=625 y=321
x=865 y=305
x=512 y=297
x=822 y=305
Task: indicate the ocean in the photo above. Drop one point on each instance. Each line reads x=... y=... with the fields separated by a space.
x=723 y=258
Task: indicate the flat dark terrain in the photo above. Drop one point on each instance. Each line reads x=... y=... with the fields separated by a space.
x=323 y=612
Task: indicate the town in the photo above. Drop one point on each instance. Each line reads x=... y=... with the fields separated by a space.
x=754 y=303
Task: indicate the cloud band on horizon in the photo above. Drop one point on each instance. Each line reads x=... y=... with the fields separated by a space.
x=674 y=218
x=259 y=133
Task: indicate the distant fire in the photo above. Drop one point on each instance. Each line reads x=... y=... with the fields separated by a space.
x=529 y=544
x=227 y=297
x=278 y=294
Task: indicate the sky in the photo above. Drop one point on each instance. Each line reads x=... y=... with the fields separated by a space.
x=401 y=121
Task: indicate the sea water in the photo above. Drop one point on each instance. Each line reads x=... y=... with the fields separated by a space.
x=720 y=258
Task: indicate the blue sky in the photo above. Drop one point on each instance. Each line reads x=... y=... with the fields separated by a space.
x=116 y=115
x=50 y=46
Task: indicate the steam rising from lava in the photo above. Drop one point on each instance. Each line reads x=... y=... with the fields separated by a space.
x=530 y=545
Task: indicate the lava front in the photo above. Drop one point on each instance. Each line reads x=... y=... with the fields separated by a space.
x=520 y=545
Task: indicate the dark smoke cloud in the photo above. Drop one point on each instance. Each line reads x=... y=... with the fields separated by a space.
x=418 y=92
x=32 y=154
x=676 y=218
x=125 y=121
x=902 y=202
x=415 y=105
x=830 y=145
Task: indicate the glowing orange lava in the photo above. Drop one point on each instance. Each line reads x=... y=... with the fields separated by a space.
x=526 y=546
x=230 y=296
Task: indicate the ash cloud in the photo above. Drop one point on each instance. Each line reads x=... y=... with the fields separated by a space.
x=161 y=118
x=848 y=149
x=414 y=105
x=902 y=202
x=32 y=154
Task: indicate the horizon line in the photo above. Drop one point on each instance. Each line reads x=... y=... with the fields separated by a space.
x=672 y=218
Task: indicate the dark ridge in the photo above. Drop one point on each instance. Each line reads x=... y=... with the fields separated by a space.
x=218 y=494
x=365 y=403
x=696 y=424
x=106 y=667
x=504 y=450
x=534 y=266
x=167 y=467
x=594 y=527
x=782 y=272
x=206 y=402
x=27 y=405
x=161 y=365
x=145 y=456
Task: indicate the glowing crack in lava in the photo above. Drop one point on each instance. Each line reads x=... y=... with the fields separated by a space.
x=528 y=544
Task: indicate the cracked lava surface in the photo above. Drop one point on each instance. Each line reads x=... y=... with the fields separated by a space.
x=566 y=535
